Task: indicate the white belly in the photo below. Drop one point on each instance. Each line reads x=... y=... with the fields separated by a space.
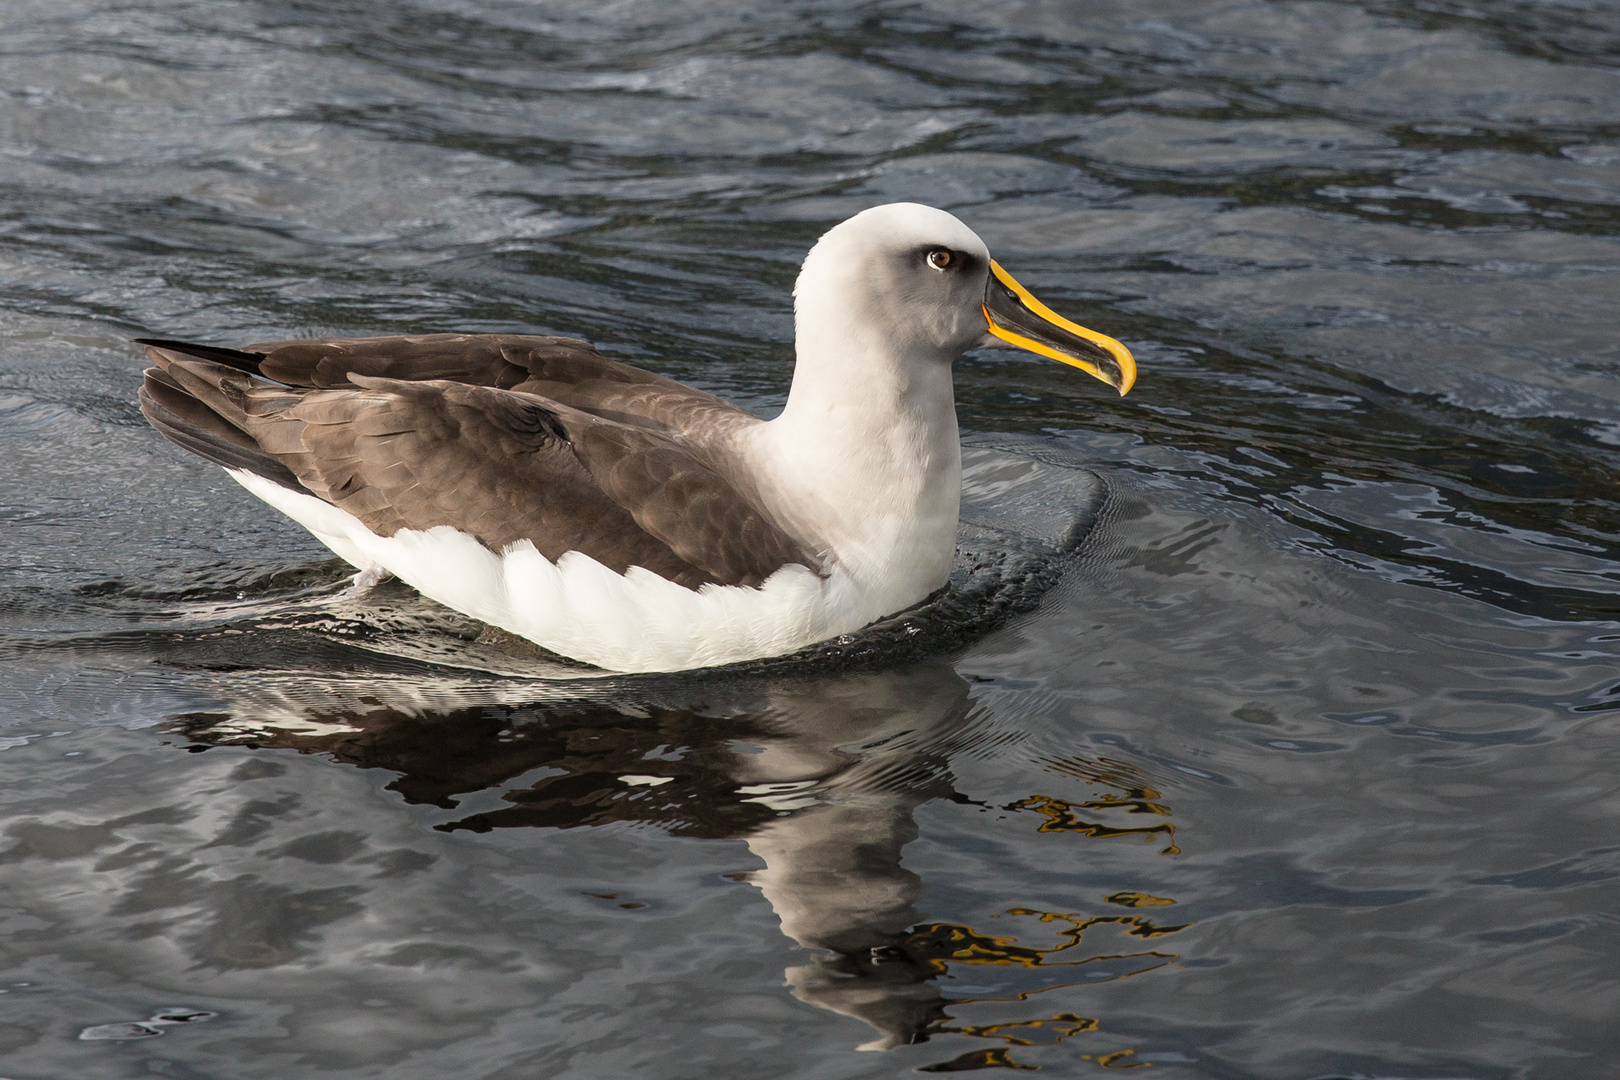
x=576 y=607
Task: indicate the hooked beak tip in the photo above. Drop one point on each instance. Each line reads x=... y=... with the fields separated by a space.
x=1016 y=317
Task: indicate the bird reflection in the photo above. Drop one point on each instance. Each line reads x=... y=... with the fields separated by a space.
x=871 y=749
x=819 y=775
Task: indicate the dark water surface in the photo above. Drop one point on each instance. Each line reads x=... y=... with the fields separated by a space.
x=1307 y=766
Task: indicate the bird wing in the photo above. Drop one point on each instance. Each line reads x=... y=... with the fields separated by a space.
x=500 y=465
x=564 y=370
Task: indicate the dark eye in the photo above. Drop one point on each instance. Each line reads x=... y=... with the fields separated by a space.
x=942 y=258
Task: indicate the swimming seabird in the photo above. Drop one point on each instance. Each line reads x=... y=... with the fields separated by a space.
x=621 y=518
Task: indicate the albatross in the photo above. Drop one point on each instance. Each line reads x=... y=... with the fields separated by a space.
x=621 y=518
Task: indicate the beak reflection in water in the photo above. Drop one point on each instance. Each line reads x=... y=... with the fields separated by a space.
x=819 y=776
x=1017 y=318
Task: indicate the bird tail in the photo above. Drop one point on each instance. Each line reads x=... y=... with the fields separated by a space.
x=194 y=424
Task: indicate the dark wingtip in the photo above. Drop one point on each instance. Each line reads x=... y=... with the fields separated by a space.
x=191 y=425
x=236 y=358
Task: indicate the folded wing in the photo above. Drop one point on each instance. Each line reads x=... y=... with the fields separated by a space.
x=451 y=430
x=564 y=370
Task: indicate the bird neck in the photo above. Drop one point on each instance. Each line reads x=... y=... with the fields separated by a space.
x=865 y=458
x=863 y=388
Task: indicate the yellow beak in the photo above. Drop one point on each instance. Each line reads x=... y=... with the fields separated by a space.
x=1019 y=319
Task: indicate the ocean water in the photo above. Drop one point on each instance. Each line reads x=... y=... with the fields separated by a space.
x=1271 y=731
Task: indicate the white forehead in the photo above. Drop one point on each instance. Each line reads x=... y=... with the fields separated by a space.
x=903 y=227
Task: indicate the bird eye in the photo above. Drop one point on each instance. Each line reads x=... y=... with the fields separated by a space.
x=942 y=259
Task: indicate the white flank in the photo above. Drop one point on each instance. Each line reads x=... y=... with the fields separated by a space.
x=576 y=607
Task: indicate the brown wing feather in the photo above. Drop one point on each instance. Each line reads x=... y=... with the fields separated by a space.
x=476 y=359
x=499 y=465
x=559 y=369
x=686 y=500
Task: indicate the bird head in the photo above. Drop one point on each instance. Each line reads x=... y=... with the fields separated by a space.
x=927 y=284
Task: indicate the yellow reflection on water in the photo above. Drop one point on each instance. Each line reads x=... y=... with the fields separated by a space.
x=1138 y=899
x=941 y=944
x=1030 y=1032
x=1136 y=795
x=1131 y=793
x=1061 y=817
x=1116 y=1060
x=996 y=1057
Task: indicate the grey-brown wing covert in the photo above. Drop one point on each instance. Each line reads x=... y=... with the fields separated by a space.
x=502 y=437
